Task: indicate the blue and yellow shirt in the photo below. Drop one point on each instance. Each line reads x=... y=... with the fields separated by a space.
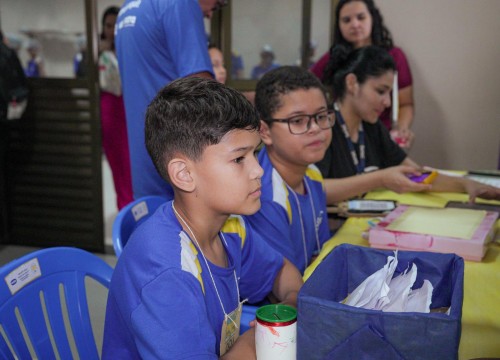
x=162 y=301
x=279 y=221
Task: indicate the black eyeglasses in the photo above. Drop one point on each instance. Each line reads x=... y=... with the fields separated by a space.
x=220 y=4
x=300 y=124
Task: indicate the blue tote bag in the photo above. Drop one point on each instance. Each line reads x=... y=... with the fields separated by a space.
x=327 y=329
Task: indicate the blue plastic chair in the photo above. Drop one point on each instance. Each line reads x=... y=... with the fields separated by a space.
x=130 y=217
x=136 y=213
x=44 y=292
x=247 y=315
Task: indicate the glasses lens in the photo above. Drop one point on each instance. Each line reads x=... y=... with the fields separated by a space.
x=325 y=120
x=298 y=124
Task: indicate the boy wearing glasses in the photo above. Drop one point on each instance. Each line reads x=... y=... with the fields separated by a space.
x=296 y=130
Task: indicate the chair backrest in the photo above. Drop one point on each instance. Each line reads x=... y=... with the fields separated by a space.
x=130 y=217
x=44 y=312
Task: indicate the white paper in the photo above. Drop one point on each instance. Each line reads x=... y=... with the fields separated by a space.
x=375 y=287
x=382 y=291
x=400 y=288
x=420 y=299
x=16 y=109
x=23 y=275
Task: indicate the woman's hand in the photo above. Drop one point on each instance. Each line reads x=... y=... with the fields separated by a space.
x=396 y=179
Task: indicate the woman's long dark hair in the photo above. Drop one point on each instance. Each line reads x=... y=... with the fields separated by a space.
x=380 y=35
x=112 y=10
x=365 y=62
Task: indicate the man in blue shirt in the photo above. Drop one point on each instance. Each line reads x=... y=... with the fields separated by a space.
x=266 y=63
x=157 y=41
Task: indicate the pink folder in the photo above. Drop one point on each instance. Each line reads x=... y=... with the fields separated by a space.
x=471 y=247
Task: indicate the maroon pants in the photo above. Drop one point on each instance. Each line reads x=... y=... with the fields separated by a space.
x=115 y=144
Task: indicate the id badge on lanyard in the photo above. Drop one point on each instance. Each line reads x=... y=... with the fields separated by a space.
x=230 y=329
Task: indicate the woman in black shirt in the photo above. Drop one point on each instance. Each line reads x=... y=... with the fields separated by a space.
x=362 y=156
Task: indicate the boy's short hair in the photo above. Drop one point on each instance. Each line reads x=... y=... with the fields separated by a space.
x=190 y=114
x=281 y=81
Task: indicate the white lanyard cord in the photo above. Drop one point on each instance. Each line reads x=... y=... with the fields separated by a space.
x=206 y=263
x=302 y=222
x=301 y=225
x=316 y=226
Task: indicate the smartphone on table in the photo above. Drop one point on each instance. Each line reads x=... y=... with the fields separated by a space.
x=373 y=207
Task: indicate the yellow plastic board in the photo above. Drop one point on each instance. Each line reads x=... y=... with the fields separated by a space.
x=448 y=222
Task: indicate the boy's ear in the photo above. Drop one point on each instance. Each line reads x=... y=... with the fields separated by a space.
x=178 y=171
x=351 y=83
x=265 y=133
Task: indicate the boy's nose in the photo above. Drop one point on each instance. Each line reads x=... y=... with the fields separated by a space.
x=258 y=171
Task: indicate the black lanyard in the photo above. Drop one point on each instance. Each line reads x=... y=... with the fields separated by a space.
x=361 y=162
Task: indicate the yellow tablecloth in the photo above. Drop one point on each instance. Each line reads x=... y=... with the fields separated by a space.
x=481 y=307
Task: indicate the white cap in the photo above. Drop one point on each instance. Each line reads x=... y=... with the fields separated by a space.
x=267 y=48
x=33 y=44
x=15 y=41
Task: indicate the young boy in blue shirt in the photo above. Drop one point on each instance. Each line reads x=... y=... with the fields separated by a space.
x=177 y=288
x=296 y=130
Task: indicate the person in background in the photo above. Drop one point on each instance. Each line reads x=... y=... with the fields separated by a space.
x=237 y=65
x=362 y=155
x=359 y=23
x=13 y=41
x=296 y=131
x=177 y=289
x=80 y=58
x=266 y=62
x=13 y=100
x=311 y=53
x=157 y=41
x=35 y=66
x=220 y=71
x=217 y=60
x=113 y=123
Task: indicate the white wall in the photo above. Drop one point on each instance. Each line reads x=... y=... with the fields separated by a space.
x=321 y=12
x=56 y=24
x=454 y=51
x=452 y=46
